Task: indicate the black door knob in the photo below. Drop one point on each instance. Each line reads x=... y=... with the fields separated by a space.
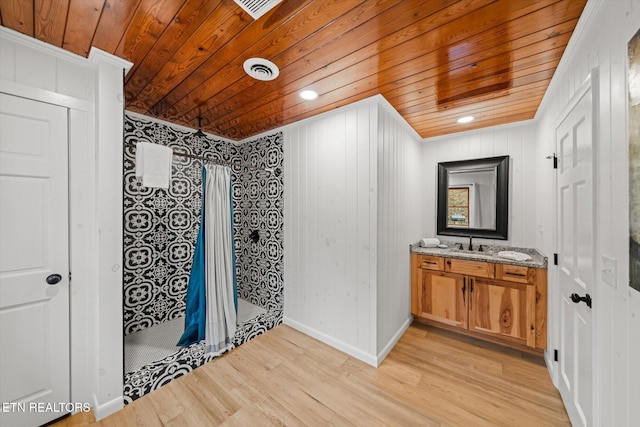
x=577 y=299
x=53 y=279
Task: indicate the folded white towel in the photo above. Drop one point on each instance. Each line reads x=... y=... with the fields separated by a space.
x=516 y=256
x=429 y=242
x=153 y=164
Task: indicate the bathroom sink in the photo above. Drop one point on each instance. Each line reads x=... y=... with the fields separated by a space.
x=478 y=250
x=483 y=252
x=483 y=255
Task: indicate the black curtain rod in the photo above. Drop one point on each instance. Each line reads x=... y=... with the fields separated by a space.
x=218 y=162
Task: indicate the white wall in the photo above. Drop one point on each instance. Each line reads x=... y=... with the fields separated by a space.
x=349 y=176
x=600 y=42
x=109 y=82
x=518 y=141
x=330 y=228
x=92 y=90
x=400 y=195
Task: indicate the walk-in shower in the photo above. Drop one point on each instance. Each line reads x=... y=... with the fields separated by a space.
x=160 y=229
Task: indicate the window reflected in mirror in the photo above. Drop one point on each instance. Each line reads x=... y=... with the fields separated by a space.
x=458 y=207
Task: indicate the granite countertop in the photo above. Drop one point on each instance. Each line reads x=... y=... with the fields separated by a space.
x=489 y=253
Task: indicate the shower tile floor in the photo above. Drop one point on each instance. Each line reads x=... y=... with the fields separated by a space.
x=156 y=343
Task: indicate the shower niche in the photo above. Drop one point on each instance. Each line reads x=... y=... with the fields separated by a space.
x=160 y=230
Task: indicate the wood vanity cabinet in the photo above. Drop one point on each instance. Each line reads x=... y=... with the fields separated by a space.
x=497 y=302
x=442 y=298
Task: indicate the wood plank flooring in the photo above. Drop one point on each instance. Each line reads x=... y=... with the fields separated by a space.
x=431 y=378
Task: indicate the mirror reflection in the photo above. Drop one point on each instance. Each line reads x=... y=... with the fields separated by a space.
x=471 y=200
x=473 y=197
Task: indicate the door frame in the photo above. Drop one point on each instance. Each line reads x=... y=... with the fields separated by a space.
x=591 y=82
x=82 y=225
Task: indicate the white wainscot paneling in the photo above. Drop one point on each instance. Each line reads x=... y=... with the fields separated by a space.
x=32 y=64
x=600 y=43
x=400 y=197
x=328 y=283
x=349 y=219
x=32 y=69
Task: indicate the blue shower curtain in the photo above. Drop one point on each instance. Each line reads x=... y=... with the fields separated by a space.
x=196 y=300
x=194 y=319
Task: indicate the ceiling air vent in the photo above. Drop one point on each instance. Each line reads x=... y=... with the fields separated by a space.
x=261 y=69
x=257 y=8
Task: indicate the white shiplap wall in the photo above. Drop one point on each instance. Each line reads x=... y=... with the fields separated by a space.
x=400 y=194
x=330 y=228
x=92 y=91
x=42 y=66
x=518 y=141
x=348 y=177
x=601 y=44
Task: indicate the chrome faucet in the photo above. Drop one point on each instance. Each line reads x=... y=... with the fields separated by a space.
x=470 y=242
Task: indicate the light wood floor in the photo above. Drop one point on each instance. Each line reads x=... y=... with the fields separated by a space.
x=431 y=378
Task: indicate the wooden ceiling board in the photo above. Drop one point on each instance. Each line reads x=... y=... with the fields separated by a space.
x=226 y=67
x=432 y=60
x=422 y=89
x=269 y=42
x=401 y=89
x=427 y=62
x=17 y=15
x=113 y=24
x=301 y=71
x=347 y=57
x=82 y=20
x=293 y=66
x=192 y=27
x=524 y=96
x=49 y=20
x=350 y=65
x=149 y=21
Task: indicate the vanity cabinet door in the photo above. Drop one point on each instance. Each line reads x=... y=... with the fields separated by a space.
x=442 y=297
x=503 y=309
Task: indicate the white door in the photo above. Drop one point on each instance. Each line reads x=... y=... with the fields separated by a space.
x=34 y=315
x=574 y=144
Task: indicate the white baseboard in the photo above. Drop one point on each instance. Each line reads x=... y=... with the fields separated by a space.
x=367 y=358
x=107 y=408
x=551 y=367
x=392 y=342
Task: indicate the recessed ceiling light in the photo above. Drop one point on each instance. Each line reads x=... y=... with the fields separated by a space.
x=465 y=119
x=308 y=94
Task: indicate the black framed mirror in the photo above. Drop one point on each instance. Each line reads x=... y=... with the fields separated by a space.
x=473 y=198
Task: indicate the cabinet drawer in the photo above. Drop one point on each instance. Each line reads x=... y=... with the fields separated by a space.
x=471 y=268
x=431 y=262
x=515 y=273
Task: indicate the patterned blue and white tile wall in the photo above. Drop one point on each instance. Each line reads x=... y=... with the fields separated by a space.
x=258 y=205
x=160 y=226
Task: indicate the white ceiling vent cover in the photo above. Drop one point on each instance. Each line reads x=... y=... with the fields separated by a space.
x=257 y=8
x=261 y=69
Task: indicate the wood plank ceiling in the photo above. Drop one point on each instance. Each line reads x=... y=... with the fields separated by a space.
x=433 y=60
